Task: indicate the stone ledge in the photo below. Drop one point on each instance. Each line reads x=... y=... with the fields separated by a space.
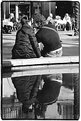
x=40 y=61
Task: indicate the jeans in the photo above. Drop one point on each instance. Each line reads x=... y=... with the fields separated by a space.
x=55 y=53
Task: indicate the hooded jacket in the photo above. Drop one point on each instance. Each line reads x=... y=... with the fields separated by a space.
x=27 y=88
x=26 y=45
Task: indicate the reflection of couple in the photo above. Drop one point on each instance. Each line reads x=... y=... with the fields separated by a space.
x=26 y=44
x=35 y=99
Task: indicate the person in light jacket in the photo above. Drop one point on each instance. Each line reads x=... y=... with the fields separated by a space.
x=67 y=22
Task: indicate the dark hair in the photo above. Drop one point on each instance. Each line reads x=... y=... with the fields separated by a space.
x=39 y=19
x=24 y=20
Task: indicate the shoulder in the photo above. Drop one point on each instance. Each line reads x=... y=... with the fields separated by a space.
x=51 y=26
x=19 y=31
x=27 y=29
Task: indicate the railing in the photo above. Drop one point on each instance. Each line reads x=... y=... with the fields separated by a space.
x=10 y=111
x=15 y=112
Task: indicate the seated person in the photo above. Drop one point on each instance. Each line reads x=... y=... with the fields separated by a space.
x=48 y=35
x=7 y=25
x=67 y=22
x=50 y=17
x=26 y=45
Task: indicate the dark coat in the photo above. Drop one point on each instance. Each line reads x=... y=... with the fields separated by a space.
x=27 y=88
x=26 y=45
x=50 y=90
x=49 y=38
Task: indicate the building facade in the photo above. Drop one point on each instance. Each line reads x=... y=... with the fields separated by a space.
x=27 y=8
x=44 y=7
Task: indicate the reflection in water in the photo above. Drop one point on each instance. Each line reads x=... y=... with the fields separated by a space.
x=26 y=89
x=48 y=95
x=44 y=97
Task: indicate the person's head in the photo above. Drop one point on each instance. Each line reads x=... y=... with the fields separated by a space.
x=39 y=20
x=66 y=14
x=40 y=110
x=11 y=15
x=24 y=20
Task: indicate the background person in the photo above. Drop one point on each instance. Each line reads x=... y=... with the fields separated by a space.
x=26 y=45
x=67 y=22
x=7 y=25
x=14 y=21
x=50 y=17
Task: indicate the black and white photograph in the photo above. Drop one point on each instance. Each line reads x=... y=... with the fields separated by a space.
x=40 y=55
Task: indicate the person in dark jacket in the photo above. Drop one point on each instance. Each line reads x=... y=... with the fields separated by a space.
x=49 y=36
x=26 y=89
x=49 y=94
x=26 y=45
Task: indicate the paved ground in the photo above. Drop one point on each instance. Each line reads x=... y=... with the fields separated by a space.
x=70 y=44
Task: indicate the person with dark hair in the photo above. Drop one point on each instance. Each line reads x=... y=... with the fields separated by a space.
x=48 y=95
x=26 y=45
x=38 y=20
x=49 y=36
x=26 y=90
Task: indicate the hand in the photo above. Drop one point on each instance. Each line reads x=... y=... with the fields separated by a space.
x=41 y=46
x=41 y=57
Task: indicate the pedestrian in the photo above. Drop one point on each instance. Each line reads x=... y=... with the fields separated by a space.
x=49 y=36
x=7 y=26
x=26 y=45
x=67 y=22
x=50 y=17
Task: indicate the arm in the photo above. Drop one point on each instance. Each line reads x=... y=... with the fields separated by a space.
x=39 y=40
x=34 y=43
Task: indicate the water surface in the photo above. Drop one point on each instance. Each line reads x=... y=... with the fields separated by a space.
x=47 y=96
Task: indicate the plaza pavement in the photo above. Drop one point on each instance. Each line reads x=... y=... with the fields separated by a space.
x=70 y=44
